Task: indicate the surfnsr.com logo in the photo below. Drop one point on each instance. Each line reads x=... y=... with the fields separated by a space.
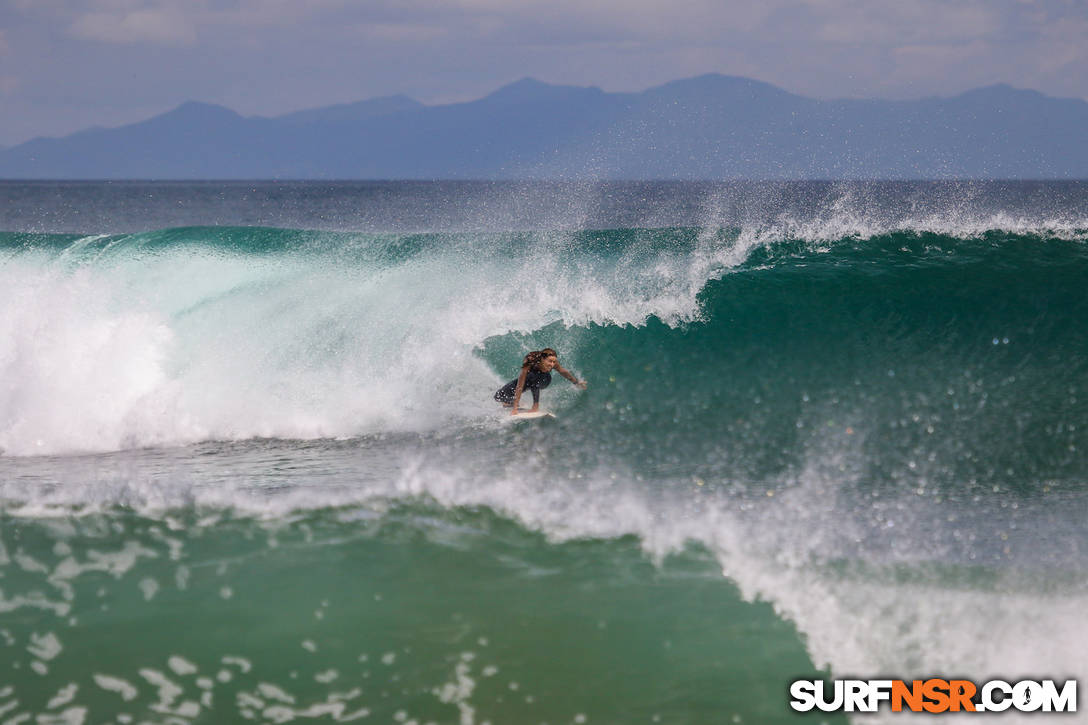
x=934 y=696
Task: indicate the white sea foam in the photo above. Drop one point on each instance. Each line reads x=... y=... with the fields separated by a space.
x=168 y=348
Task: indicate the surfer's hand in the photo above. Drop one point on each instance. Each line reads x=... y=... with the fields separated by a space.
x=513 y=411
x=581 y=384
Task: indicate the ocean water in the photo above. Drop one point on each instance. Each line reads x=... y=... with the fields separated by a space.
x=251 y=469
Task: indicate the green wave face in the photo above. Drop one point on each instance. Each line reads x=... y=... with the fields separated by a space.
x=959 y=361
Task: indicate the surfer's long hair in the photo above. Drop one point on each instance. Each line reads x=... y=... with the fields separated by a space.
x=533 y=359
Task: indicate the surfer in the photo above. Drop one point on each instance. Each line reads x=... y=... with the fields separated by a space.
x=536 y=374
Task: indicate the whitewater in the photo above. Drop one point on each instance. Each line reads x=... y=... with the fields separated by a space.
x=250 y=467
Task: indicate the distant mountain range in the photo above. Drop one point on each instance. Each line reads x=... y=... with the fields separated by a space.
x=709 y=127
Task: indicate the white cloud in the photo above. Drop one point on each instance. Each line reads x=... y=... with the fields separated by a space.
x=401 y=32
x=617 y=20
x=162 y=22
x=150 y=26
x=1066 y=45
x=907 y=22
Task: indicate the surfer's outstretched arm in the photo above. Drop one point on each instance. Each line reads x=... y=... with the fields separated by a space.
x=520 y=387
x=567 y=374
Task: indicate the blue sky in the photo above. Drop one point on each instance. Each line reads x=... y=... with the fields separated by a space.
x=69 y=64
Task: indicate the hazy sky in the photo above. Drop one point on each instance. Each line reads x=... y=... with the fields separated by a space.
x=70 y=64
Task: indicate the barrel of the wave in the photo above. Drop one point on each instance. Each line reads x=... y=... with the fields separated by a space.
x=901 y=358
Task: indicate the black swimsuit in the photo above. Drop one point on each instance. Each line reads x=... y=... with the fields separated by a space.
x=534 y=381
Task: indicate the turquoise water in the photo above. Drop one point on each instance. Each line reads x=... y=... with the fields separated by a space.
x=255 y=473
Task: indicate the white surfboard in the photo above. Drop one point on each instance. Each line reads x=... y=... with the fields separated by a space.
x=531 y=414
